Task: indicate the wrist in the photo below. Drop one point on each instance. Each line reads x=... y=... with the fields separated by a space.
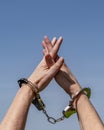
x=27 y=93
x=73 y=89
x=29 y=86
x=80 y=96
x=33 y=79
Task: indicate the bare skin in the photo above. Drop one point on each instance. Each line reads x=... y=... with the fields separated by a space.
x=64 y=78
x=15 y=118
x=87 y=115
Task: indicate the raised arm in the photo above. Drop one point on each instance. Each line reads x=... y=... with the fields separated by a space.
x=15 y=118
x=87 y=115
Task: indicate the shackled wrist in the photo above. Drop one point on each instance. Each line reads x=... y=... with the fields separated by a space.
x=72 y=107
x=78 y=94
x=39 y=104
x=31 y=85
x=37 y=101
x=73 y=89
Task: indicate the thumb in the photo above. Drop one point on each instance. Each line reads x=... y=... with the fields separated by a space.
x=56 y=67
x=51 y=73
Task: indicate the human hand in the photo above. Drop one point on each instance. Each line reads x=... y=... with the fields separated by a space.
x=46 y=70
x=64 y=77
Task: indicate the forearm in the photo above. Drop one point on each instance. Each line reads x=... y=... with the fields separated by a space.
x=87 y=115
x=16 y=116
x=67 y=80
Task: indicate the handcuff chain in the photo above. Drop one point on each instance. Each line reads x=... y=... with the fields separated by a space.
x=51 y=119
x=67 y=112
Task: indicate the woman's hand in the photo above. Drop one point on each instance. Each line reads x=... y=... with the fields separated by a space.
x=64 y=77
x=46 y=70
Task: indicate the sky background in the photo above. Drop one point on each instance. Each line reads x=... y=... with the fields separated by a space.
x=23 y=24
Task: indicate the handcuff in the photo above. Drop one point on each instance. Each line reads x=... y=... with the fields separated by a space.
x=40 y=105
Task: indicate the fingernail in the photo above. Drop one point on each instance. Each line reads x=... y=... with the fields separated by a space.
x=54 y=38
x=61 y=38
x=45 y=36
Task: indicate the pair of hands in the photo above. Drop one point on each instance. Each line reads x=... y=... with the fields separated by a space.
x=52 y=66
x=47 y=68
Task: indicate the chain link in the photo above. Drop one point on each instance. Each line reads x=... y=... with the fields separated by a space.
x=51 y=119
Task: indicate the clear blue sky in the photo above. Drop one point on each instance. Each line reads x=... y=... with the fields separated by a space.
x=23 y=23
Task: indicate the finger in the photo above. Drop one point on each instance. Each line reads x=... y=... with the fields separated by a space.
x=49 y=60
x=44 y=52
x=52 y=49
x=51 y=73
x=44 y=44
x=56 y=67
x=53 y=70
x=56 y=47
x=45 y=49
x=53 y=42
x=48 y=43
